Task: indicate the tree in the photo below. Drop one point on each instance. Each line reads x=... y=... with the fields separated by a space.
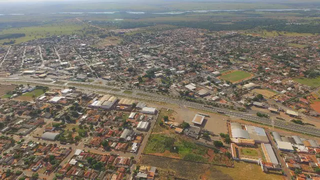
x=166 y=118
x=218 y=143
x=206 y=135
x=35 y=176
x=227 y=140
x=77 y=138
x=185 y=125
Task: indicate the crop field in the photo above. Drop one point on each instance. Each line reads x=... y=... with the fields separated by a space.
x=312 y=82
x=37 y=32
x=235 y=76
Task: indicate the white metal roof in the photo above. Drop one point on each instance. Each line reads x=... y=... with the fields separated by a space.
x=284 y=146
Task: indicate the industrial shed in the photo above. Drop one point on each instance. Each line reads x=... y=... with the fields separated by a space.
x=49 y=136
x=125 y=133
x=269 y=154
x=257 y=134
x=149 y=110
x=276 y=136
x=237 y=132
x=284 y=146
x=143 y=126
x=297 y=140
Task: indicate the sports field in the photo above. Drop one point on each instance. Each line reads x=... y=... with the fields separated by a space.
x=265 y=92
x=235 y=76
x=314 y=82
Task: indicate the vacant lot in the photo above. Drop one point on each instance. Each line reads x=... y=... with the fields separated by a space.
x=316 y=106
x=265 y=92
x=244 y=171
x=6 y=88
x=235 y=76
x=185 y=169
x=176 y=147
x=312 y=82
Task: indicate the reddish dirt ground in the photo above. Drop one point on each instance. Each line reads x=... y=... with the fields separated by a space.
x=316 y=106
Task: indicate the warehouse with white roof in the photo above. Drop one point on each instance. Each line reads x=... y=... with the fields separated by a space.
x=149 y=110
x=143 y=126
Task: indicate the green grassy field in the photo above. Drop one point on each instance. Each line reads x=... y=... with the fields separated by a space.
x=127 y=92
x=177 y=146
x=236 y=76
x=249 y=152
x=37 y=32
x=36 y=93
x=297 y=45
x=315 y=82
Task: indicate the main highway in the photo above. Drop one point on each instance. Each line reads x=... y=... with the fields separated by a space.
x=145 y=96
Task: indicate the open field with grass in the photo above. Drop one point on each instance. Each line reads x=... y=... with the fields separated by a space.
x=35 y=93
x=312 y=82
x=249 y=152
x=176 y=147
x=297 y=45
x=235 y=76
x=266 y=34
x=37 y=32
x=244 y=171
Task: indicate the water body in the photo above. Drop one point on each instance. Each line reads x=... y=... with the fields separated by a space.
x=170 y=12
x=134 y=12
x=16 y=14
x=102 y=12
x=281 y=10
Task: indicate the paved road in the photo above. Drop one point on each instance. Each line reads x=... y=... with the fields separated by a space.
x=159 y=98
x=5 y=56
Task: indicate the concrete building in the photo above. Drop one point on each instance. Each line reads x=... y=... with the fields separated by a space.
x=143 y=126
x=198 y=119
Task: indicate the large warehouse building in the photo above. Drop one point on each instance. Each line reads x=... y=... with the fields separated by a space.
x=239 y=132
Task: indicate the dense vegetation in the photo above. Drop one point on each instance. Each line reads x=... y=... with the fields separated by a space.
x=12 y=36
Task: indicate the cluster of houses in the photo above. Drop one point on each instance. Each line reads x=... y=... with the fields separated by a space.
x=34 y=156
x=300 y=155
x=95 y=166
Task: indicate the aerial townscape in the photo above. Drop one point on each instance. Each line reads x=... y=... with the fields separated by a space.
x=160 y=90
